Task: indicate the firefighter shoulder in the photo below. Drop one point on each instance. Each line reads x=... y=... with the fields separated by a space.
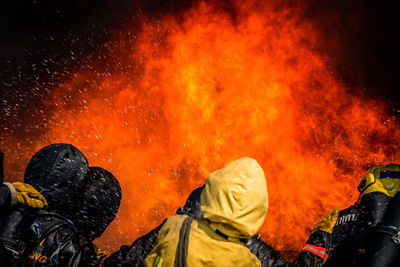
x=382 y=244
x=234 y=203
x=358 y=226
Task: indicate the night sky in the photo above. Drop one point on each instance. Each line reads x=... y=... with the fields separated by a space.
x=43 y=41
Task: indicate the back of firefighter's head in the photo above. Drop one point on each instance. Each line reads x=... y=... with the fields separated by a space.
x=100 y=203
x=381 y=178
x=235 y=198
x=58 y=172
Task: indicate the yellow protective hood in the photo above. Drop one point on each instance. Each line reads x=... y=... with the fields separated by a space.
x=235 y=198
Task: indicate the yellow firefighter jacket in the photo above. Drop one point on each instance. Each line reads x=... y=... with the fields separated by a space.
x=234 y=203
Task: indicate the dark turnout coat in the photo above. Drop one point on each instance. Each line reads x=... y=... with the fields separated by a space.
x=353 y=228
x=39 y=238
x=135 y=254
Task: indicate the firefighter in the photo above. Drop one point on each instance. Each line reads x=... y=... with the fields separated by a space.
x=99 y=205
x=12 y=195
x=314 y=253
x=234 y=204
x=360 y=226
x=58 y=171
x=50 y=237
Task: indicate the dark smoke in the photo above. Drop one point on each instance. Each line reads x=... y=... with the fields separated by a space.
x=362 y=42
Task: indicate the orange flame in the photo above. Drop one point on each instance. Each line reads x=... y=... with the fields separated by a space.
x=188 y=94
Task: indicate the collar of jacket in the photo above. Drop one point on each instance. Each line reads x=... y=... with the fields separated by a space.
x=222 y=230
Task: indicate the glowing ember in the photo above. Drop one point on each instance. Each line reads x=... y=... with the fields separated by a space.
x=188 y=94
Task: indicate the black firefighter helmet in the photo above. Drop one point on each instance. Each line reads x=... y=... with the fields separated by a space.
x=100 y=203
x=58 y=172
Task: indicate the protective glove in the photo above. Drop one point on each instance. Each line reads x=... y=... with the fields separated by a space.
x=319 y=241
x=100 y=253
x=26 y=195
x=327 y=223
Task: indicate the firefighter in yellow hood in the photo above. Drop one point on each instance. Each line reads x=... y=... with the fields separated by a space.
x=234 y=204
